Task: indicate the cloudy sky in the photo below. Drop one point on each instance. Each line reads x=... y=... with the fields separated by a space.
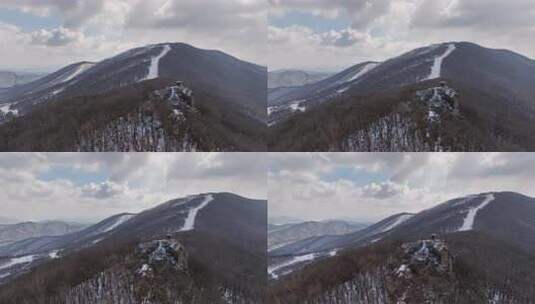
x=91 y=186
x=372 y=186
x=67 y=31
x=335 y=34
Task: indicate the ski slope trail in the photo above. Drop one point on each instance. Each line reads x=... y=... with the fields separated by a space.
x=295 y=260
x=154 y=69
x=189 y=222
x=436 y=69
x=468 y=223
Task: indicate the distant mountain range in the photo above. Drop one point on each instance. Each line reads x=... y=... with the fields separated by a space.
x=485 y=103
x=476 y=249
x=20 y=231
x=10 y=79
x=148 y=257
x=279 y=235
x=293 y=78
x=229 y=97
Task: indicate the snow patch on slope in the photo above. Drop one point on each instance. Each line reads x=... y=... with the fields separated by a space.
x=66 y=77
x=118 y=222
x=294 y=260
x=155 y=63
x=6 y=109
x=436 y=69
x=79 y=70
x=367 y=68
x=54 y=254
x=189 y=222
x=464 y=200
x=468 y=223
x=16 y=261
x=296 y=106
x=401 y=219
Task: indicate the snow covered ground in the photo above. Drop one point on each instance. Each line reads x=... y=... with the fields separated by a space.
x=294 y=260
x=118 y=222
x=367 y=68
x=295 y=106
x=468 y=223
x=401 y=219
x=54 y=254
x=436 y=69
x=352 y=78
x=68 y=76
x=79 y=70
x=17 y=261
x=154 y=71
x=189 y=223
x=5 y=109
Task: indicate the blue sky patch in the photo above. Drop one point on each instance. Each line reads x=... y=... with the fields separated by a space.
x=359 y=177
x=78 y=177
x=316 y=23
x=28 y=22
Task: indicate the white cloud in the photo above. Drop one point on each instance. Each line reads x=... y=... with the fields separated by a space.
x=104 y=190
x=393 y=183
x=96 y=29
x=96 y=185
x=56 y=37
x=392 y=27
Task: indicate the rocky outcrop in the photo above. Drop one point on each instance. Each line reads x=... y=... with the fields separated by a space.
x=156 y=273
x=161 y=254
x=417 y=272
x=161 y=124
x=425 y=274
x=430 y=121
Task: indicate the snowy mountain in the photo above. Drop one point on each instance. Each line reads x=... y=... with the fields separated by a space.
x=128 y=251
x=284 y=234
x=16 y=232
x=291 y=256
x=153 y=115
x=229 y=94
x=331 y=241
x=285 y=101
x=221 y=75
x=380 y=110
x=503 y=215
x=474 y=249
x=512 y=212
